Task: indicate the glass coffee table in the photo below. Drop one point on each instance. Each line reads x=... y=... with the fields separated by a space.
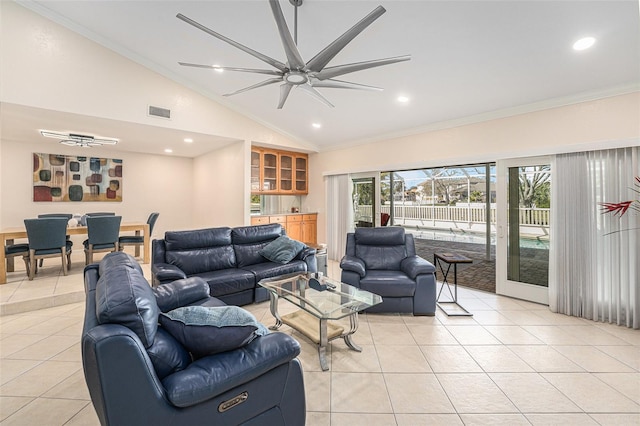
x=320 y=300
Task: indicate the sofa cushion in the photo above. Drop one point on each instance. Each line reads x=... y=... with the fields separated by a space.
x=167 y=354
x=381 y=257
x=200 y=250
x=123 y=296
x=195 y=239
x=388 y=283
x=271 y=269
x=206 y=331
x=228 y=281
x=249 y=240
x=256 y=234
x=196 y=260
x=380 y=248
x=282 y=250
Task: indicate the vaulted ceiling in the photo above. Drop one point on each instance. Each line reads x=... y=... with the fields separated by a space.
x=469 y=59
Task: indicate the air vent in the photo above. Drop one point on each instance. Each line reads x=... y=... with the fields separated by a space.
x=159 y=112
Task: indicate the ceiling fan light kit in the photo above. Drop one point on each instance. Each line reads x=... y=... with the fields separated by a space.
x=75 y=139
x=295 y=73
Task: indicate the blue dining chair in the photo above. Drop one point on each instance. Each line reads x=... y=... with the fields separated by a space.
x=138 y=240
x=47 y=238
x=66 y=216
x=15 y=250
x=103 y=232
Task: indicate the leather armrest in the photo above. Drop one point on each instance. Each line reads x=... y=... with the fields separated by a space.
x=308 y=255
x=415 y=265
x=353 y=264
x=306 y=252
x=212 y=375
x=180 y=293
x=164 y=272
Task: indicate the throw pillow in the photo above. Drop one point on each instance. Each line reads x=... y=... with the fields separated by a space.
x=282 y=250
x=210 y=330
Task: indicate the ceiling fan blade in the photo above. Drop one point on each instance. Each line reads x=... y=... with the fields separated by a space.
x=255 y=86
x=285 y=89
x=215 y=67
x=339 y=84
x=314 y=93
x=318 y=62
x=274 y=63
x=357 y=66
x=290 y=49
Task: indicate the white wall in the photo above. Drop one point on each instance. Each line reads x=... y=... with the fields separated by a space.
x=150 y=183
x=221 y=188
x=597 y=124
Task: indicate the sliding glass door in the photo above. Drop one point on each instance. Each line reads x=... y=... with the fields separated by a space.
x=523 y=213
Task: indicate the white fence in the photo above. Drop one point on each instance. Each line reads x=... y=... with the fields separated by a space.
x=435 y=216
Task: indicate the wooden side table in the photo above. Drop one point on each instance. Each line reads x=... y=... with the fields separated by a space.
x=450 y=259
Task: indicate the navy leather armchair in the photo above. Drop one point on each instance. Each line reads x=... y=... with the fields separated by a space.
x=383 y=261
x=138 y=374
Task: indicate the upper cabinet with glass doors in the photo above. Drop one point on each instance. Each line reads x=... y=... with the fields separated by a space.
x=278 y=172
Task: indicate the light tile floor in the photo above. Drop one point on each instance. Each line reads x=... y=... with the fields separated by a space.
x=512 y=363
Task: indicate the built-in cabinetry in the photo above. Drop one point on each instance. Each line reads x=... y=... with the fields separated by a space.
x=301 y=227
x=278 y=172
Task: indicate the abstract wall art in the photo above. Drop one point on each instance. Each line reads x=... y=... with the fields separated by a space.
x=76 y=178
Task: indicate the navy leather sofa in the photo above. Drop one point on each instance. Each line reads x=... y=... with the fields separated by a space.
x=228 y=259
x=383 y=261
x=138 y=374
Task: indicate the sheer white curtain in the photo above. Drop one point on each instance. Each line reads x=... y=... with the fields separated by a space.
x=339 y=214
x=595 y=256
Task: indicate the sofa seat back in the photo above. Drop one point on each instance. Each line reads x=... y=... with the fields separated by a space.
x=380 y=248
x=201 y=250
x=249 y=240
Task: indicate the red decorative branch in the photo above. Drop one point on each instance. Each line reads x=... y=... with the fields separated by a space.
x=622 y=207
x=616 y=208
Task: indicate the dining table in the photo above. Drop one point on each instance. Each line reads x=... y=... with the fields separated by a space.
x=8 y=235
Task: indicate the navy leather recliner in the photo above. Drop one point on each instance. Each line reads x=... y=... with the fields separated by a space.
x=138 y=374
x=383 y=261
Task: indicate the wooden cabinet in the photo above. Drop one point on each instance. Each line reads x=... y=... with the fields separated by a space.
x=301 y=227
x=310 y=228
x=278 y=172
x=294 y=226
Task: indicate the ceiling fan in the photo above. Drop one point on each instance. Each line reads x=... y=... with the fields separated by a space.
x=296 y=73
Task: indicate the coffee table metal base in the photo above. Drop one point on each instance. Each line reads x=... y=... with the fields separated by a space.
x=320 y=331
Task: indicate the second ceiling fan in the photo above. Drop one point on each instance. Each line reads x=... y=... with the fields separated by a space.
x=296 y=73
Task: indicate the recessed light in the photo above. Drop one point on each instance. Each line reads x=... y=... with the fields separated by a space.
x=188 y=140
x=168 y=150
x=584 y=43
x=403 y=99
x=316 y=125
x=217 y=68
